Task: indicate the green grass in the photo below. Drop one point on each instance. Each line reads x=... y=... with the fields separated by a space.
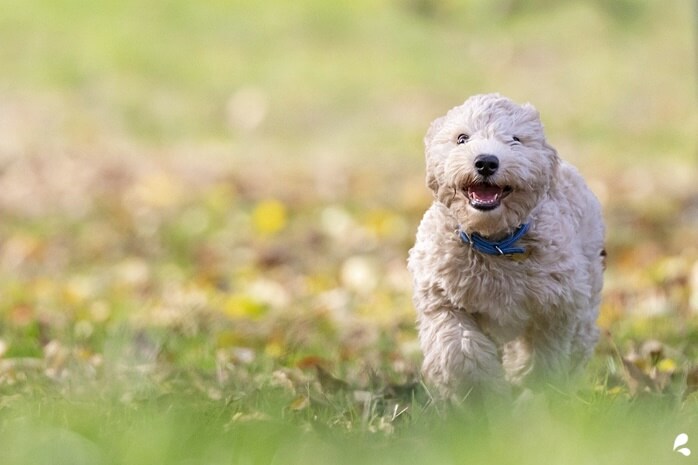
x=179 y=429
x=206 y=210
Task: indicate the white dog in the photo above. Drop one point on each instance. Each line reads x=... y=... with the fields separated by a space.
x=508 y=263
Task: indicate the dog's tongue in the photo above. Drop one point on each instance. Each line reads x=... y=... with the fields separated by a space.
x=484 y=192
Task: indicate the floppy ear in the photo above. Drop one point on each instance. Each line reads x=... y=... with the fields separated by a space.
x=434 y=128
x=528 y=116
x=555 y=162
x=432 y=182
x=528 y=106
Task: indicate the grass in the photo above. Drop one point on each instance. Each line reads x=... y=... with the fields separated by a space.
x=176 y=428
x=207 y=209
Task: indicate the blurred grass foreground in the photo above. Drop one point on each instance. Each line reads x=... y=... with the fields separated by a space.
x=207 y=206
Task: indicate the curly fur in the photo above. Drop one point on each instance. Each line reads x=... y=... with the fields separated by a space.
x=488 y=321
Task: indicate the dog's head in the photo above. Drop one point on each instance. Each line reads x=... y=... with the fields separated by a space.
x=489 y=163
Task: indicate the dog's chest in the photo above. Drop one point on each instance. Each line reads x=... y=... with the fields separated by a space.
x=502 y=292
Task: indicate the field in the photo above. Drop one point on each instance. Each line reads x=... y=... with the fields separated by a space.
x=207 y=207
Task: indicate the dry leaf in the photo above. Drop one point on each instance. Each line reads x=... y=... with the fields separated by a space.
x=636 y=380
x=328 y=382
x=300 y=403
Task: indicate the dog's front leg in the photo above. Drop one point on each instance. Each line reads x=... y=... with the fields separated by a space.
x=550 y=343
x=459 y=358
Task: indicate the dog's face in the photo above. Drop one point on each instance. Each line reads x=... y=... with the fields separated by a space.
x=489 y=163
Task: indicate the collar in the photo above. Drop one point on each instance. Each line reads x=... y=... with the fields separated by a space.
x=488 y=247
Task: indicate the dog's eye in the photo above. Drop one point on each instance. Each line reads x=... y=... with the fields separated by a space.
x=463 y=138
x=516 y=140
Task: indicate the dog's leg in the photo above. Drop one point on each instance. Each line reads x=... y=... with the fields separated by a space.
x=551 y=343
x=459 y=359
x=516 y=359
x=584 y=339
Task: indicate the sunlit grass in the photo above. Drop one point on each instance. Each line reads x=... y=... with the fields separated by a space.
x=176 y=428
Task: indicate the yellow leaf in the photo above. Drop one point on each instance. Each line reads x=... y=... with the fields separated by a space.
x=614 y=391
x=227 y=339
x=274 y=349
x=667 y=365
x=243 y=306
x=610 y=314
x=269 y=217
x=300 y=403
x=384 y=223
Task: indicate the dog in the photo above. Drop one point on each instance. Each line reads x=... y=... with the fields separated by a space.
x=507 y=266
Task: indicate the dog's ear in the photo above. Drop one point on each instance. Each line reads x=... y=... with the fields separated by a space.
x=528 y=107
x=554 y=160
x=434 y=128
x=432 y=182
x=529 y=116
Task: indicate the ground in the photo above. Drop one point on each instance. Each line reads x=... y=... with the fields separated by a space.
x=206 y=212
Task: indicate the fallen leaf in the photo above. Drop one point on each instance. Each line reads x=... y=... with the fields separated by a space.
x=269 y=217
x=300 y=403
x=636 y=380
x=244 y=306
x=311 y=361
x=328 y=382
x=667 y=365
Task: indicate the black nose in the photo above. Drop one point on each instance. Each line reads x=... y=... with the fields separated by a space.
x=486 y=165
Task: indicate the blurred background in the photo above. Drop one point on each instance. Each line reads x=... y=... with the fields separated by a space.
x=236 y=181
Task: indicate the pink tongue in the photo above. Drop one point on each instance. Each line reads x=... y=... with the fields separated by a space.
x=485 y=192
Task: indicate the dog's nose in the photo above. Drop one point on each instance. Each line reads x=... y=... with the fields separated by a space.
x=486 y=165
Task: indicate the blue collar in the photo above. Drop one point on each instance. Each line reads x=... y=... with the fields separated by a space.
x=503 y=247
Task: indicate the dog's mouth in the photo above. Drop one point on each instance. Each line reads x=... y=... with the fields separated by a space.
x=485 y=196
